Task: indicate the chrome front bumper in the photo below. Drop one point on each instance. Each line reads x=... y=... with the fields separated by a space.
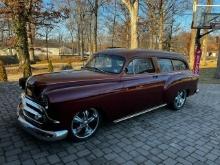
x=42 y=134
x=38 y=132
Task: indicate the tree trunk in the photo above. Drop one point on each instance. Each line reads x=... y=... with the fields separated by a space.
x=161 y=26
x=217 y=74
x=114 y=22
x=10 y=34
x=2 y=36
x=127 y=37
x=151 y=39
x=60 y=39
x=133 y=7
x=204 y=43
x=47 y=52
x=192 y=48
x=95 y=25
x=10 y=51
x=79 y=40
x=204 y=49
x=134 y=21
x=72 y=43
x=30 y=42
x=81 y=44
x=72 y=47
x=170 y=34
x=90 y=38
x=22 y=44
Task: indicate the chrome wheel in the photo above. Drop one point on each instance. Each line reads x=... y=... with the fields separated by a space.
x=180 y=99
x=85 y=123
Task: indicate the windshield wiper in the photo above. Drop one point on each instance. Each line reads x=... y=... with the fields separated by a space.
x=100 y=70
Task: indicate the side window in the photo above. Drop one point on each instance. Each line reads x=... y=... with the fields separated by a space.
x=138 y=66
x=165 y=65
x=179 y=65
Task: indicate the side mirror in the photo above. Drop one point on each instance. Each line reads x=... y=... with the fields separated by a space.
x=22 y=82
x=126 y=70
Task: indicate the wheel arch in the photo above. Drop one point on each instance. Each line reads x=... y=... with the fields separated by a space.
x=173 y=87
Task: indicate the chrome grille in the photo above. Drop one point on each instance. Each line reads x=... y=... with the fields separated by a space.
x=32 y=110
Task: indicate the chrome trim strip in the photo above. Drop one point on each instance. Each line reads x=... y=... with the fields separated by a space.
x=139 y=113
x=31 y=118
x=42 y=134
x=26 y=108
x=28 y=101
x=21 y=106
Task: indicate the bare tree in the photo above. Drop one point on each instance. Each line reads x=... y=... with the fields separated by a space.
x=80 y=18
x=7 y=38
x=163 y=14
x=21 y=13
x=94 y=7
x=47 y=30
x=71 y=27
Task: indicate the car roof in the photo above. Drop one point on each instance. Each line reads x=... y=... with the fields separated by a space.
x=130 y=53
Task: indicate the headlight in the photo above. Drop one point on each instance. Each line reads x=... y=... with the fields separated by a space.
x=27 y=81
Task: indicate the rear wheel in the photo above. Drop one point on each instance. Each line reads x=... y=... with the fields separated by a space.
x=84 y=124
x=179 y=100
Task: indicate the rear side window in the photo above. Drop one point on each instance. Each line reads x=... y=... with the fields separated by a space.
x=165 y=65
x=179 y=65
x=138 y=66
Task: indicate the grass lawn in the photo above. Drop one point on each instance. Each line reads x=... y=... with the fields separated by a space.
x=207 y=75
x=207 y=72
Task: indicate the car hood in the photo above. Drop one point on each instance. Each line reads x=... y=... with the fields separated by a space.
x=63 y=79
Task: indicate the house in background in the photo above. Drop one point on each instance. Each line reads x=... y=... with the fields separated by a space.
x=7 y=52
x=55 y=49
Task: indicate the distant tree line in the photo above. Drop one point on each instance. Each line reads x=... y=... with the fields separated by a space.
x=90 y=24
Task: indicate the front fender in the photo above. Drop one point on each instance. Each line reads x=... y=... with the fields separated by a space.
x=66 y=102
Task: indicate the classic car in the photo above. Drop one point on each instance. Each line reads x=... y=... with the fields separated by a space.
x=114 y=85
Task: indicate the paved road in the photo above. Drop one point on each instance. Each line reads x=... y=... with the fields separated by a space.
x=190 y=136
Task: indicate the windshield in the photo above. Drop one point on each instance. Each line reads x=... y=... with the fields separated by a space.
x=106 y=63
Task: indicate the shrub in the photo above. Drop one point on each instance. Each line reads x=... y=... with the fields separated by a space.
x=3 y=74
x=50 y=66
x=67 y=66
x=9 y=59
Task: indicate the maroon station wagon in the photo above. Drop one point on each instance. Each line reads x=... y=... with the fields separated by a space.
x=114 y=85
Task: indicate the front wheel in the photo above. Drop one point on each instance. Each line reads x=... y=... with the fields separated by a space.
x=179 y=100
x=84 y=124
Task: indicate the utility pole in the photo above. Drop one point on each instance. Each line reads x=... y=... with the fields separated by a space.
x=193 y=37
x=205 y=39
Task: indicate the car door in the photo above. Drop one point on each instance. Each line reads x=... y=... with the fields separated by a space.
x=141 y=86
